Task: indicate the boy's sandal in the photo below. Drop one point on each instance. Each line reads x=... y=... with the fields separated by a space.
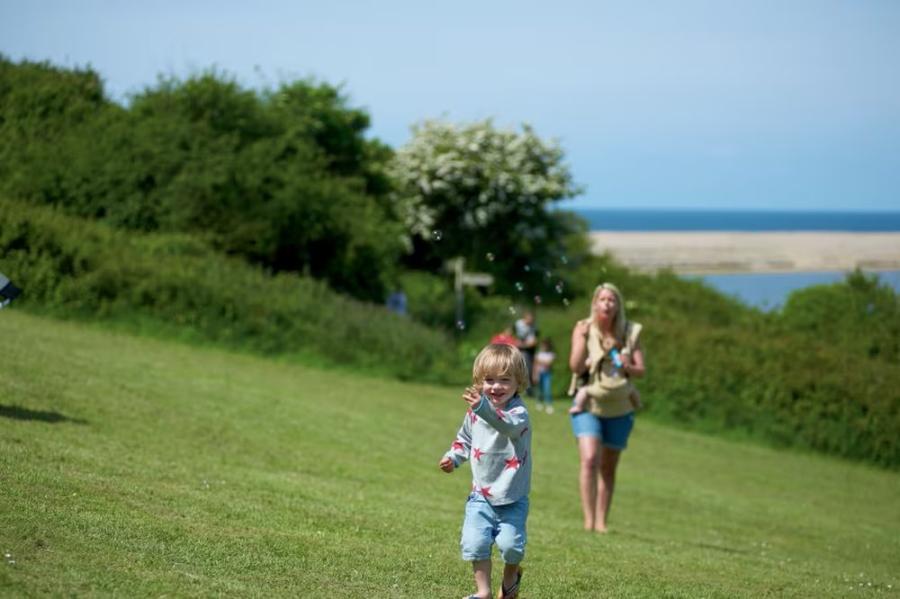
x=513 y=591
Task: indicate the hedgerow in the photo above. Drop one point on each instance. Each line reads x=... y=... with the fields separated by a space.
x=77 y=268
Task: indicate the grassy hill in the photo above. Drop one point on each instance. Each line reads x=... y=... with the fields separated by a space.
x=136 y=467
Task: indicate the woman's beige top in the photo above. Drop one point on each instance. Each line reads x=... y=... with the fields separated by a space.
x=608 y=388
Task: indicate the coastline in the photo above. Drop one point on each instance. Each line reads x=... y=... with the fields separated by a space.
x=718 y=252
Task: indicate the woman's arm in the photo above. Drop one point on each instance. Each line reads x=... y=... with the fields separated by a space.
x=633 y=363
x=578 y=352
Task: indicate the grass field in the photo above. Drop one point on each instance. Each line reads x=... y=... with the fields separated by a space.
x=135 y=467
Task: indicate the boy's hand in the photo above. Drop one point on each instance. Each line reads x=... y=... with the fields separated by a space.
x=447 y=465
x=471 y=396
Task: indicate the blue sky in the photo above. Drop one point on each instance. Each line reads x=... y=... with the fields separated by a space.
x=747 y=104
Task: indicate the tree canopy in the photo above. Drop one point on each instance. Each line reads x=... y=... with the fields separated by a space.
x=283 y=177
x=485 y=194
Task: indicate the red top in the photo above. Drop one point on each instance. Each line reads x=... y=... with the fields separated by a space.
x=505 y=339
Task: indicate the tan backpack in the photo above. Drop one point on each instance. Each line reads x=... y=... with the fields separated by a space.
x=601 y=383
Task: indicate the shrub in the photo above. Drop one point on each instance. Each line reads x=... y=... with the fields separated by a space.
x=860 y=316
x=284 y=178
x=82 y=269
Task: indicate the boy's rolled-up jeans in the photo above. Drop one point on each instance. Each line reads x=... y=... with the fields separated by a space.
x=486 y=524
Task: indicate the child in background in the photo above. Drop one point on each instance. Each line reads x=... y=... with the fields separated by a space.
x=496 y=437
x=505 y=337
x=543 y=376
x=526 y=333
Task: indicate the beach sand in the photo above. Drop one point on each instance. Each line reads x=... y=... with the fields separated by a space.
x=702 y=252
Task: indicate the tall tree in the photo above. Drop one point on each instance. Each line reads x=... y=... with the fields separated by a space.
x=485 y=194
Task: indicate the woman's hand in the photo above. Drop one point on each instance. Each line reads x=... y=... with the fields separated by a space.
x=633 y=363
x=447 y=465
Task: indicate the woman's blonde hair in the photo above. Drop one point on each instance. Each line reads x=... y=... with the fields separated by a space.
x=500 y=359
x=619 y=319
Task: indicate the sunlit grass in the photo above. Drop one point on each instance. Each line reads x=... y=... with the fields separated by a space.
x=136 y=467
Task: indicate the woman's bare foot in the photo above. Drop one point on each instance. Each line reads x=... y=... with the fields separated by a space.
x=601 y=529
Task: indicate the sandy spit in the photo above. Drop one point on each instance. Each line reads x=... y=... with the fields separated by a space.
x=705 y=252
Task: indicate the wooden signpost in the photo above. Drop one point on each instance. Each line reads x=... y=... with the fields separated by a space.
x=462 y=278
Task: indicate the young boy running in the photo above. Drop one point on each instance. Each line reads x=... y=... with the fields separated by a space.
x=495 y=437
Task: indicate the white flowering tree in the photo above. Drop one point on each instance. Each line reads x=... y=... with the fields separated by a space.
x=484 y=193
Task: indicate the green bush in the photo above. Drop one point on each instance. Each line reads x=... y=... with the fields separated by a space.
x=860 y=316
x=82 y=269
x=284 y=178
x=752 y=375
x=431 y=300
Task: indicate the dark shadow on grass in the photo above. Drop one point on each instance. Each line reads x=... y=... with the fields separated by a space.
x=20 y=413
x=720 y=548
x=698 y=544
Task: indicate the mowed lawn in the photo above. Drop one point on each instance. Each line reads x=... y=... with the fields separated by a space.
x=134 y=467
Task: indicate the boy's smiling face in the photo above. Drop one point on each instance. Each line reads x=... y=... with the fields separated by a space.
x=499 y=388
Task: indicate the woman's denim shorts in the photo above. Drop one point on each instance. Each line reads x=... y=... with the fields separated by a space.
x=612 y=432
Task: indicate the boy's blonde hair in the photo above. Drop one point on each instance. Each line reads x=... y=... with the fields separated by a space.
x=500 y=359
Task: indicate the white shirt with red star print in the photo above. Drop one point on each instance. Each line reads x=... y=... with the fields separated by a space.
x=498 y=445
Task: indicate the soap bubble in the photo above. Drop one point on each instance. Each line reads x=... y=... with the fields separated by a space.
x=512 y=310
x=461 y=325
x=565 y=301
x=489 y=256
x=537 y=299
x=559 y=287
x=519 y=286
x=437 y=234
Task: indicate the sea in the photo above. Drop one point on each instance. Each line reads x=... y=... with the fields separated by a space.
x=767 y=291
